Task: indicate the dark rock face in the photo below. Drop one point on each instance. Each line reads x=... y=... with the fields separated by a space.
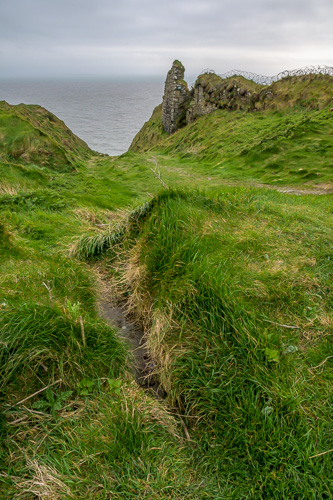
x=176 y=95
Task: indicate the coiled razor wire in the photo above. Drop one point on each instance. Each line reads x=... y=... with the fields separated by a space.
x=268 y=80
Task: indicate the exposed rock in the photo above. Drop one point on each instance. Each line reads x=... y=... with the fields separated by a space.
x=176 y=95
x=182 y=106
x=211 y=92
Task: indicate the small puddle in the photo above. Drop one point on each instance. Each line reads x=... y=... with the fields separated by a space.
x=133 y=332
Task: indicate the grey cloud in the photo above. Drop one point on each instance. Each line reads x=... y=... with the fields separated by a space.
x=119 y=37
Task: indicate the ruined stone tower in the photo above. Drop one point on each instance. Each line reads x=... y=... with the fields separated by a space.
x=176 y=94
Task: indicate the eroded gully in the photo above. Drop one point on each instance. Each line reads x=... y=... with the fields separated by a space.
x=131 y=331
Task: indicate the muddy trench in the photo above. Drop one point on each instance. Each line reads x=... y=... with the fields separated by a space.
x=132 y=332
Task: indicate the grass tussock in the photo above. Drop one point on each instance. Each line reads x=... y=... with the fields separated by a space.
x=44 y=483
x=6 y=188
x=44 y=342
x=95 y=246
x=121 y=444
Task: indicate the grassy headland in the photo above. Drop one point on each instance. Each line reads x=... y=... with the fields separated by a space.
x=232 y=283
x=289 y=141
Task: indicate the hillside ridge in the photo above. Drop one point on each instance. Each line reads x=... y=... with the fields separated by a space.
x=32 y=134
x=241 y=91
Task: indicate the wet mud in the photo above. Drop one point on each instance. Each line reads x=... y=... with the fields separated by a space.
x=132 y=332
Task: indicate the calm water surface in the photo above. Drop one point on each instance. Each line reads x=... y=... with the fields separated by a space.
x=106 y=115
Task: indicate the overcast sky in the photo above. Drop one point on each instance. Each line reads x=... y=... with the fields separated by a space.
x=137 y=38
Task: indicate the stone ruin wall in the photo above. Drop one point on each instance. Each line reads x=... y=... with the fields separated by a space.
x=176 y=95
x=208 y=97
x=182 y=106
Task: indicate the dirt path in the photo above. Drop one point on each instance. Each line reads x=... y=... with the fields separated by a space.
x=194 y=175
x=320 y=190
x=133 y=333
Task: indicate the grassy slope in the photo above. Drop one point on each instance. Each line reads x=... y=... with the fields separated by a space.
x=209 y=272
x=31 y=134
x=288 y=143
x=237 y=287
x=93 y=433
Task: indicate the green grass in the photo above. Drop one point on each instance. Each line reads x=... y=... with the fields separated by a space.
x=91 y=432
x=37 y=338
x=220 y=277
x=287 y=146
x=217 y=275
x=33 y=134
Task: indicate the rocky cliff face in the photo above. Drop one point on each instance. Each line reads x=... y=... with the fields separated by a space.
x=176 y=96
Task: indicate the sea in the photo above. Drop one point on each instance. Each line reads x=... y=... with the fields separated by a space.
x=105 y=114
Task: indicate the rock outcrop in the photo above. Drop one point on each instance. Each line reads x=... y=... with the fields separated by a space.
x=175 y=99
x=211 y=92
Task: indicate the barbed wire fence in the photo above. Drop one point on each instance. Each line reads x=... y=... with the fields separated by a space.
x=268 y=80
